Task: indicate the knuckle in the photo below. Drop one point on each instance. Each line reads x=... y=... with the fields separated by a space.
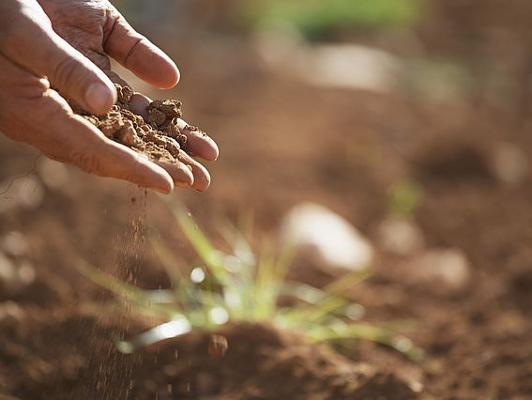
x=19 y=114
x=56 y=156
x=87 y=161
x=46 y=111
x=64 y=72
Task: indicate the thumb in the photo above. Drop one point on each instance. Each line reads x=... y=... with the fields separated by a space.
x=77 y=78
x=40 y=50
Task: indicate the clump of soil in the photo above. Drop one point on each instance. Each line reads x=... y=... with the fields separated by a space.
x=159 y=137
x=259 y=361
x=64 y=355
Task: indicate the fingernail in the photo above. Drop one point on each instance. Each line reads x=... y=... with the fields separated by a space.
x=161 y=190
x=99 y=98
x=163 y=187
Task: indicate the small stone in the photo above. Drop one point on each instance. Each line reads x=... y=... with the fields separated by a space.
x=327 y=237
x=218 y=346
x=400 y=236
x=442 y=270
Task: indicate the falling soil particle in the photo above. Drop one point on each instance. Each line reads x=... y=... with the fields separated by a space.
x=159 y=136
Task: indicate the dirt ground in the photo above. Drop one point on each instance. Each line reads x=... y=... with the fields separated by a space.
x=56 y=328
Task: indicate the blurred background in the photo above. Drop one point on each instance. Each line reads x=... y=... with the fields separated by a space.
x=407 y=120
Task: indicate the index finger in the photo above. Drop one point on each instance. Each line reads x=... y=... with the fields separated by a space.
x=139 y=55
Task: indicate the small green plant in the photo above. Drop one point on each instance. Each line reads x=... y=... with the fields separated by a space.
x=404 y=198
x=314 y=18
x=244 y=286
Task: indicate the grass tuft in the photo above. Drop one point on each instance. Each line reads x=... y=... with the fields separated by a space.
x=244 y=286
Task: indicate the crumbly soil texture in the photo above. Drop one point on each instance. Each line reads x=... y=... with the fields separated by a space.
x=57 y=329
x=158 y=136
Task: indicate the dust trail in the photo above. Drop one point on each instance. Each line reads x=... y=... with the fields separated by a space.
x=111 y=377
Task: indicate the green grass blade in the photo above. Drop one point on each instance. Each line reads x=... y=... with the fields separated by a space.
x=346 y=282
x=168 y=262
x=177 y=327
x=142 y=298
x=341 y=331
x=203 y=247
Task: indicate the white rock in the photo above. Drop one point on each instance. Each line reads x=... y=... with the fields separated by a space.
x=349 y=66
x=445 y=269
x=332 y=239
x=400 y=236
x=344 y=66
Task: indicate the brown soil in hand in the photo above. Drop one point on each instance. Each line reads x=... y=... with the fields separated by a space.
x=159 y=137
x=56 y=334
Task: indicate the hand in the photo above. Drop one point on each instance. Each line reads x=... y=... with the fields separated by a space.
x=64 y=44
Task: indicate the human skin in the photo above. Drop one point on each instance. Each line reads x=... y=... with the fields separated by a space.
x=53 y=50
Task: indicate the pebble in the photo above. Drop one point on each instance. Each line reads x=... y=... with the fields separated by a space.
x=330 y=238
x=444 y=270
x=400 y=236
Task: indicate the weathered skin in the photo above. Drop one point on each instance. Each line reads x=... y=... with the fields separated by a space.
x=66 y=45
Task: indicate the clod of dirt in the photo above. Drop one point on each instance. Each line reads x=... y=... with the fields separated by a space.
x=261 y=362
x=159 y=136
x=218 y=346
